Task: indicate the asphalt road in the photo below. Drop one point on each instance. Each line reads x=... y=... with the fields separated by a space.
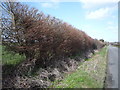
x=112 y=70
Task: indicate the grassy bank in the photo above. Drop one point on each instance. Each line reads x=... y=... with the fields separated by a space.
x=90 y=74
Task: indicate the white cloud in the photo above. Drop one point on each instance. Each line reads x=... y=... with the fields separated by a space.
x=46 y=5
x=100 y=13
x=110 y=23
x=98 y=3
x=113 y=28
x=51 y=4
x=55 y=0
x=98 y=9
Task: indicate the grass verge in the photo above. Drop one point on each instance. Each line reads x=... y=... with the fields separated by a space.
x=90 y=74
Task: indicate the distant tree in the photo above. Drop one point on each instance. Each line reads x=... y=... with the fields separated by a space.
x=101 y=40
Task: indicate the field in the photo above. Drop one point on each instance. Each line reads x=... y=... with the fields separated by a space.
x=11 y=58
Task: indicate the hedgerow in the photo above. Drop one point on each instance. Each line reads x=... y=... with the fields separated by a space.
x=41 y=36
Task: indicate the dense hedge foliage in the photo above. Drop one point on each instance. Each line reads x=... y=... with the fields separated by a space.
x=39 y=36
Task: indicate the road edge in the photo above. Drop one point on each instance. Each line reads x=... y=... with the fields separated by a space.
x=105 y=80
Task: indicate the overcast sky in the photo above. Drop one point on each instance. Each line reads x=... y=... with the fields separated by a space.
x=98 y=18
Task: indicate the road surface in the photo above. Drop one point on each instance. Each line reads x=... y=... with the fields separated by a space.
x=112 y=70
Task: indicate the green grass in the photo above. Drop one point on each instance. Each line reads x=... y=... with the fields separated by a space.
x=11 y=58
x=78 y=79
x=86 y=76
